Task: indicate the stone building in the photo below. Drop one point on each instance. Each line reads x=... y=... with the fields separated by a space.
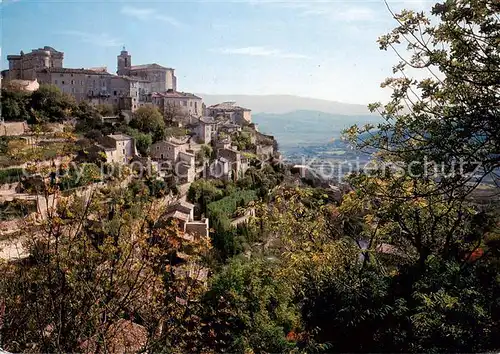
x=25 y=66
x=161 y=78
x=238 y=163
x=183 y=213
x=24 y=85
x=206 y=130
x=181 y=160
x=228 y=110
x=128 y=90
x=119 y=148
x=187 y=103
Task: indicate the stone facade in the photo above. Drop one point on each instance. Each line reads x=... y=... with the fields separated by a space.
x=161 y=78
x=183 y=213
x=205 y=130
x=13 y=128
x=228 y=110
x=129 y=90
x=178 y=155
x=239 y=164
x=25 y=66
x=167 y=150
x=24 y=85
x=220 y=169
x=187 y=103
x=119 y=148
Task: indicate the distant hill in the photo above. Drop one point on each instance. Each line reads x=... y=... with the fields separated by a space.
x=308 y=128
x=280 y=104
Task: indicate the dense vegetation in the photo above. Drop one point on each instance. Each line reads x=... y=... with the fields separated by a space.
x=403 y=262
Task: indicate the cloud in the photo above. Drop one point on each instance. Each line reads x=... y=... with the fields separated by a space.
x=331 y=10
x=261 y=52
x=145 y=14
x=101 y=39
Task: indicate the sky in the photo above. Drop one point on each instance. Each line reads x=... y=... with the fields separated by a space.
x=319 y=49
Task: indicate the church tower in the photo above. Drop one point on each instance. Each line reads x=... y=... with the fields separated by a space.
x=124 y=63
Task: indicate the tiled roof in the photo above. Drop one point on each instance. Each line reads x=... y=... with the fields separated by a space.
x=74 y=71
x=120 y=137
x=132 y=78
x=175 y=94
x=149 y=66
x=105 y=148
x=207 y=120
x=177 y=215
x=228 y=106
x=99 y=69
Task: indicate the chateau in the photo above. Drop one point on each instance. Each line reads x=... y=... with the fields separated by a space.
x=130 y=88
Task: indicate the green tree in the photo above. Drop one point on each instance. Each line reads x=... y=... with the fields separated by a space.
x=148 y=119
x=14 y=105
x=50 y=104
x=249 y=309
x=452 y=113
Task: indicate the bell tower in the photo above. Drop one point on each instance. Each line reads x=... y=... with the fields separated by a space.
x=124 y=63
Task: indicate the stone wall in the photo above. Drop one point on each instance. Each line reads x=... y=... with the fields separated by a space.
x=13 y=128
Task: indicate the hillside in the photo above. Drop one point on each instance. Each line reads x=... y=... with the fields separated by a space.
x=280 y=104
x=308 y=128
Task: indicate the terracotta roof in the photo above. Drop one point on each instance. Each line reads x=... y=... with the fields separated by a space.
x=149 y=66
x=74 y=71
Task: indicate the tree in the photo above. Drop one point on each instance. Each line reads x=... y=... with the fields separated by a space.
x=452 y=114
x=14 y=105
x=95 y=263
x=248 y=309
x=204 y=154
x=105 y=110
x=50 y=104
x=174 y=114
x=148 y=119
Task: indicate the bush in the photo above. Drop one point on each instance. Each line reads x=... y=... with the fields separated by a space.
x=11 y=175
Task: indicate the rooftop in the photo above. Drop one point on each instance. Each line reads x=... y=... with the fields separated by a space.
x=175 y=94
x=176 y=214
x=105 y=148
x=207 y=120
x=119 y=137
x=149 y=66
x=228 y=106
x=74 y=71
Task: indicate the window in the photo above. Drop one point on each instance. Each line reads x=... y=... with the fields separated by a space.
x=114 y=93
x=81 y=82
x=55 y=82
x=123 y=151
x=62 y=75
x=72 y=81
x=62 y=82
x=191 y=103
x=73 y=90
x=71 y=75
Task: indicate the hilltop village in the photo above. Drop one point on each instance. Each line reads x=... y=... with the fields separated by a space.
x=75 y=130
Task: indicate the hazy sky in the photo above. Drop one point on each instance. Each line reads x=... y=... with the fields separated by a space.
x=316 y=49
